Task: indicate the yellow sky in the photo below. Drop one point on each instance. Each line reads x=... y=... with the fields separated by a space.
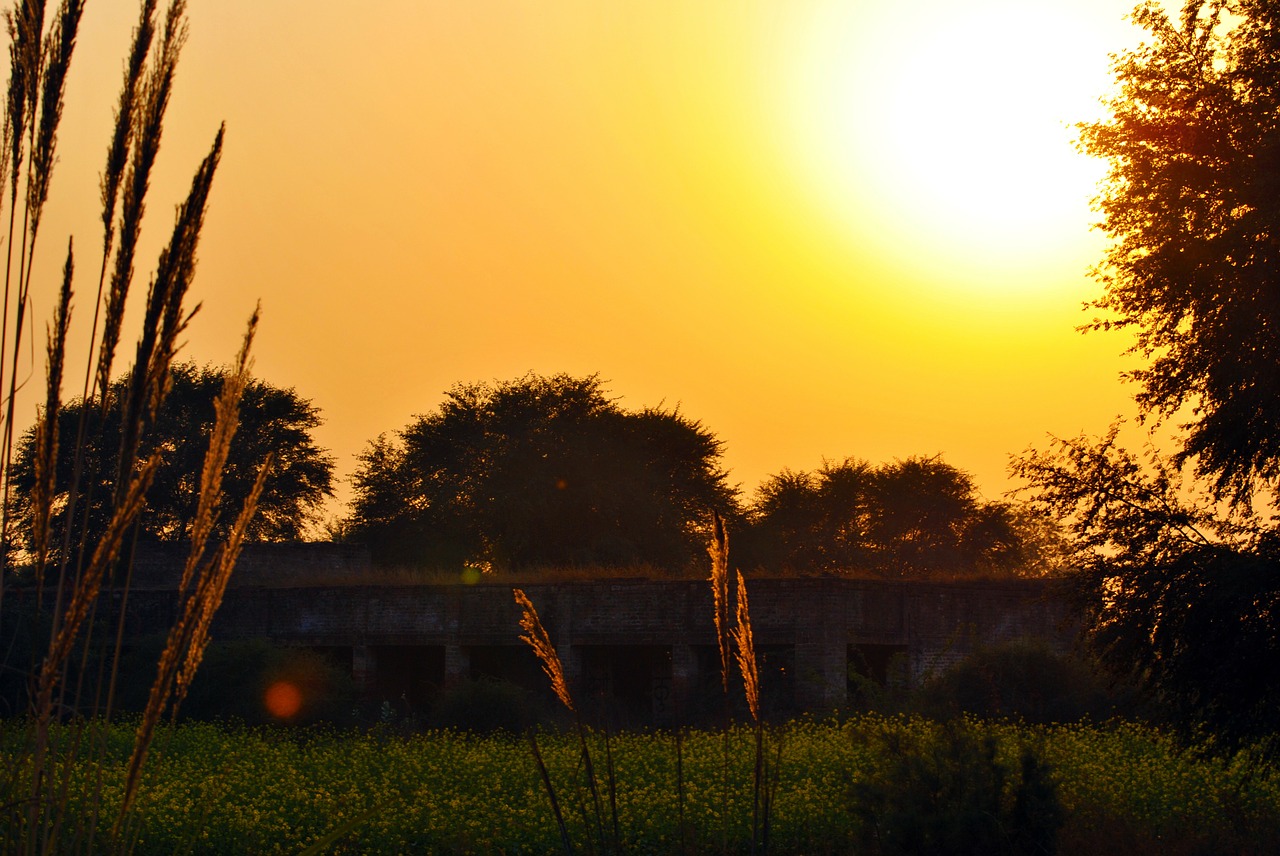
x=823 y=228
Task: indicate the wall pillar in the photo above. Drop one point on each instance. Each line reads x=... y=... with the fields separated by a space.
x=822 y=654
x=457 y=664
x=364 y=668
x=684 y=677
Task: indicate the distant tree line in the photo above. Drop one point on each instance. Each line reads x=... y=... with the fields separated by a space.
x=546 y=471
x=550 y=471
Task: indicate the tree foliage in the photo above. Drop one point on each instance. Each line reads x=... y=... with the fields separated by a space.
x=1192 y=207
x=539 y=471
x=909 y=519
x=1172 y=593
x=271 y=420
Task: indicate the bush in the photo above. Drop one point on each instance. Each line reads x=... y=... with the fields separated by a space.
x=950 y=792
x=486 y=705
x=234 y=679
x=1026 y=680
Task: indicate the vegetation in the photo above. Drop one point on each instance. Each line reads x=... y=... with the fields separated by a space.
x=911 y=519
x=539 y=471
x=1179 y=557
x=220 y=789
x=1191 y=208
x=273 y=421
x=46 y=809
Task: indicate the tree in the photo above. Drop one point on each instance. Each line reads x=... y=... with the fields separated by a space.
x=271 y=420
x=1192 y=208
x=1172 y=594
x=539 y=471
x=910 y=519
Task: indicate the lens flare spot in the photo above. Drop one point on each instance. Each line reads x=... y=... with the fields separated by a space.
x=283 y=700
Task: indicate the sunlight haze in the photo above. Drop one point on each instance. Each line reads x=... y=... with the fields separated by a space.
x=823 y=229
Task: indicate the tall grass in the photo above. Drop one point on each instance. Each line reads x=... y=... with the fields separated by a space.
x=39 y=786
x=736 y=644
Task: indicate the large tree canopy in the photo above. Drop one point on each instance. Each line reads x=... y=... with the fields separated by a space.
x=271 y=420
x=909 y=519
x=1192 y=207
x=1173 y=594
x=539 y=471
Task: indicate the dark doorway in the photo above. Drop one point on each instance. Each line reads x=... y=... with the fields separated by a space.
x=408 y=676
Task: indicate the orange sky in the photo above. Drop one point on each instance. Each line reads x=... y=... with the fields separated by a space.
x=823 y=228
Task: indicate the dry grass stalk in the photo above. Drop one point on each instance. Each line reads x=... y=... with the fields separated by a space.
x=153 y=100
x=88 y=585
x=745 y=651
x=188 y=637
x=125 y=121
x=58 y=47
x=719 y=550
x=46 y=453
x=164 y=320
x=210 y=595
x=226 y=421
x=538 y=639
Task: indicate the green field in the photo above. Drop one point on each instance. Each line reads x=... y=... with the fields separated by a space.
x=217 y=789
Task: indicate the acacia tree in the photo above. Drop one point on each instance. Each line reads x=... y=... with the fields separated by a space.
x=539 y=471
x=1174 y=595
x=1191 y=204
x=272 y=420
x=910 y=519
x=1179 y=589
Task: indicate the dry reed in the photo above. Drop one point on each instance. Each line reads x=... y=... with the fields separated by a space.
x=538 y=639
x=39 y=64
x=719 y=550
x=745 y=651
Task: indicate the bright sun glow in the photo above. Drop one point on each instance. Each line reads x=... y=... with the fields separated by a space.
x=951 y=132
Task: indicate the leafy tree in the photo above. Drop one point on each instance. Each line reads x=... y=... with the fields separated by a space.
x=539 y=471
x=271 y=420
x=1172 y=593
x=910 y=519
x=1177 y=585
x=1192 y=207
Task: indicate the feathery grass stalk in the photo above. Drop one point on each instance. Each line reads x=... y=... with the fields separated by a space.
x=745 y=653
x=189 y=636
x=40 y=57
x=46 y=452
x=540 y=641
x=153 y=101
x=109 y=187
x=719 y=551
x=83 y=596
x=164 y=319
x=551 y=793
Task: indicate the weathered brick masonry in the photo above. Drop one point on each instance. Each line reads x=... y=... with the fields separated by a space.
x=650 y=643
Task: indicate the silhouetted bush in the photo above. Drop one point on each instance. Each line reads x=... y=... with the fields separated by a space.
x=949 y=791
x=1025 y=679
x=234 y=677
x=486 y=705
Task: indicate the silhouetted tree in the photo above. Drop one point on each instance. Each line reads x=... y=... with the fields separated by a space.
x=1172 y=594
x=1192 y=207
x=271 y=420
x=539 y=471
x=910 y=519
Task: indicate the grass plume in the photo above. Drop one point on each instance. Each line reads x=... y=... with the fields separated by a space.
x=46 y=427
x=536 y=636
x=719 y=550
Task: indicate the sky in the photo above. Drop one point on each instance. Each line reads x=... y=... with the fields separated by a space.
x=823 y=229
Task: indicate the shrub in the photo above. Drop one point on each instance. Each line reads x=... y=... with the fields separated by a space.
x=1025 y=679
x=486 y=705
x=949 y=791
x=235 y=676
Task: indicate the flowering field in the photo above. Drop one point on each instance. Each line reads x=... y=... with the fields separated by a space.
x=1123 y=789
